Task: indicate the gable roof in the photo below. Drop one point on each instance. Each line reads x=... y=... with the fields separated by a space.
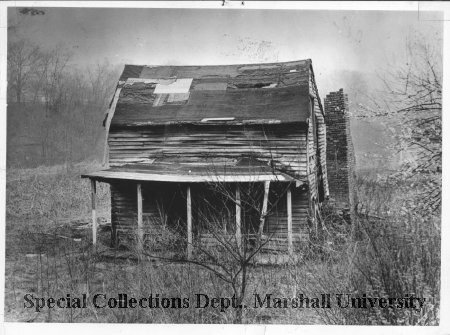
x=235 y=94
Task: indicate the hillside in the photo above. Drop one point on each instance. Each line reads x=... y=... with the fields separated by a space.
x=36 y=137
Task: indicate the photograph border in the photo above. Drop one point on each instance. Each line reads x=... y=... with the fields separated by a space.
x=421 y=7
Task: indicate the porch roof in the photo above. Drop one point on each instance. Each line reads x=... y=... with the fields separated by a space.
x=190 y=173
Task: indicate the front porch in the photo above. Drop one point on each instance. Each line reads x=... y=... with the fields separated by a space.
x=193 y=212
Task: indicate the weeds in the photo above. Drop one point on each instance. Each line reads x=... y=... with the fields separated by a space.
x=46 y=255
x=392 y=254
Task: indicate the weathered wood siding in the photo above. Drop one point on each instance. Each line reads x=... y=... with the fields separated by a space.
x=158 y=199
x=312 y=160
x=284 y=144
x=321 y=145
x=164 y=205
x=276 y=222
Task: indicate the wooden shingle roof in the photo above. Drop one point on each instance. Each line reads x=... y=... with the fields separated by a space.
x=235 y=94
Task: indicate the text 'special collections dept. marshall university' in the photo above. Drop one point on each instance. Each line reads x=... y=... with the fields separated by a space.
x=201 y=300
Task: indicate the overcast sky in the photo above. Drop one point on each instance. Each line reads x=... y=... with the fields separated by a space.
x=334 y=40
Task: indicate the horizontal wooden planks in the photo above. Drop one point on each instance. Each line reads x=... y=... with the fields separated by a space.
x=285 y=145
x=159 y=199
x=276 y=222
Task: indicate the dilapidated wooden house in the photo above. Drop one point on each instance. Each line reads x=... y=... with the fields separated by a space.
x=174 y=130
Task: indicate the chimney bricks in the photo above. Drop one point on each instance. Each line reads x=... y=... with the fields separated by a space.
x=340 y=153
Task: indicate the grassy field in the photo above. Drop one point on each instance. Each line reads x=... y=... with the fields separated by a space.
x=49 y=254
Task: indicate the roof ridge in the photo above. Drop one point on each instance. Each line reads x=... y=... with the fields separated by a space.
x=219 y=65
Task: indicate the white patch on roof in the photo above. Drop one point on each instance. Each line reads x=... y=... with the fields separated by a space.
x=178 y=86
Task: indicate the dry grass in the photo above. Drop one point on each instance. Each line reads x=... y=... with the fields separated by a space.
x=44 y=208
x=388 y=257
x=394 y=253
x=52 y=192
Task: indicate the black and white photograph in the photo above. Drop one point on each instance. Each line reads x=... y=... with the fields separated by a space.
x=223 y=162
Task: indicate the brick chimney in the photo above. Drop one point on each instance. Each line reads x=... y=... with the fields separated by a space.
x=340 y=153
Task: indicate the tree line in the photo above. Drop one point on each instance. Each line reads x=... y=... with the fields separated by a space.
x=55 y=107
x=47 y=76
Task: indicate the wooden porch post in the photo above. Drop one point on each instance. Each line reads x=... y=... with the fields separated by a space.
x=189 y=222
x=238 y=217
x=264 y=209
x=140 y=232
x=289 y=219
x=94 y=214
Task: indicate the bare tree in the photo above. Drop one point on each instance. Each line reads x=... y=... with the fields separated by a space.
x=55 y=74
x=227 y=250
x=101 y=79
x=411 y=108
x=23 y=62
x=415 y=94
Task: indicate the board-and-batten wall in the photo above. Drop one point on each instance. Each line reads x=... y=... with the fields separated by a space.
x=285 y=144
